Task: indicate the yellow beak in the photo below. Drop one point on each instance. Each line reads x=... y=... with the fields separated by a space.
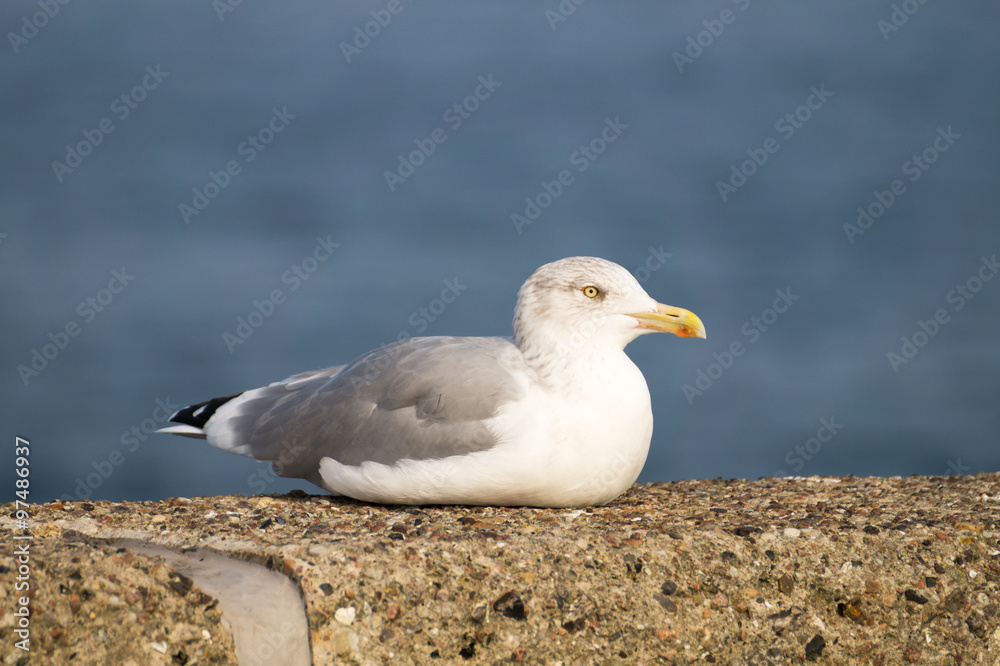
x=669 y=319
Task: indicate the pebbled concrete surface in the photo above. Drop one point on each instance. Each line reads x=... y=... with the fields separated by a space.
x=774 y=571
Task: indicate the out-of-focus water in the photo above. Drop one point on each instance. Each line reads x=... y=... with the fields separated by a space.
x=330 y=112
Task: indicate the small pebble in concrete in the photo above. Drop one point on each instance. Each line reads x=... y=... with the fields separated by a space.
x=814 y=648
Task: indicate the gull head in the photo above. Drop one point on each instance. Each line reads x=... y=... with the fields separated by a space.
x=591 y=302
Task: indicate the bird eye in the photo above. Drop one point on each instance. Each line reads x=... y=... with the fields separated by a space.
x=590 y=291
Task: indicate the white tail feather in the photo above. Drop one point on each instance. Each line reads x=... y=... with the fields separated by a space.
x=184 y=431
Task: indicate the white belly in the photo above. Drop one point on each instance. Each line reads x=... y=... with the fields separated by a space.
x=562 y=448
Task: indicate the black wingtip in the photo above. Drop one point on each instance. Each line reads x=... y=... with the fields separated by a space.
x=198 y=415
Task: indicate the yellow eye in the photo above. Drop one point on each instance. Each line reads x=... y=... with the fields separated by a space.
x=590 y=291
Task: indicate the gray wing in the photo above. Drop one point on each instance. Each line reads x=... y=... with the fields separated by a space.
x=418 y=399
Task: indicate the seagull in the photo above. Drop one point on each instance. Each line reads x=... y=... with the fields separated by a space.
x=556 y=416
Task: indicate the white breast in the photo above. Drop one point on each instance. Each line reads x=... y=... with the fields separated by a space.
x=577 y=443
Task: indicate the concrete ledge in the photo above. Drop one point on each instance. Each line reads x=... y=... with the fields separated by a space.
x=775 y=571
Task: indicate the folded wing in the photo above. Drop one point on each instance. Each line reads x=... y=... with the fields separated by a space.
x=417 y=399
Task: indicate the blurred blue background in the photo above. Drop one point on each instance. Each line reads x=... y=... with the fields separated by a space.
x=117 y=114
